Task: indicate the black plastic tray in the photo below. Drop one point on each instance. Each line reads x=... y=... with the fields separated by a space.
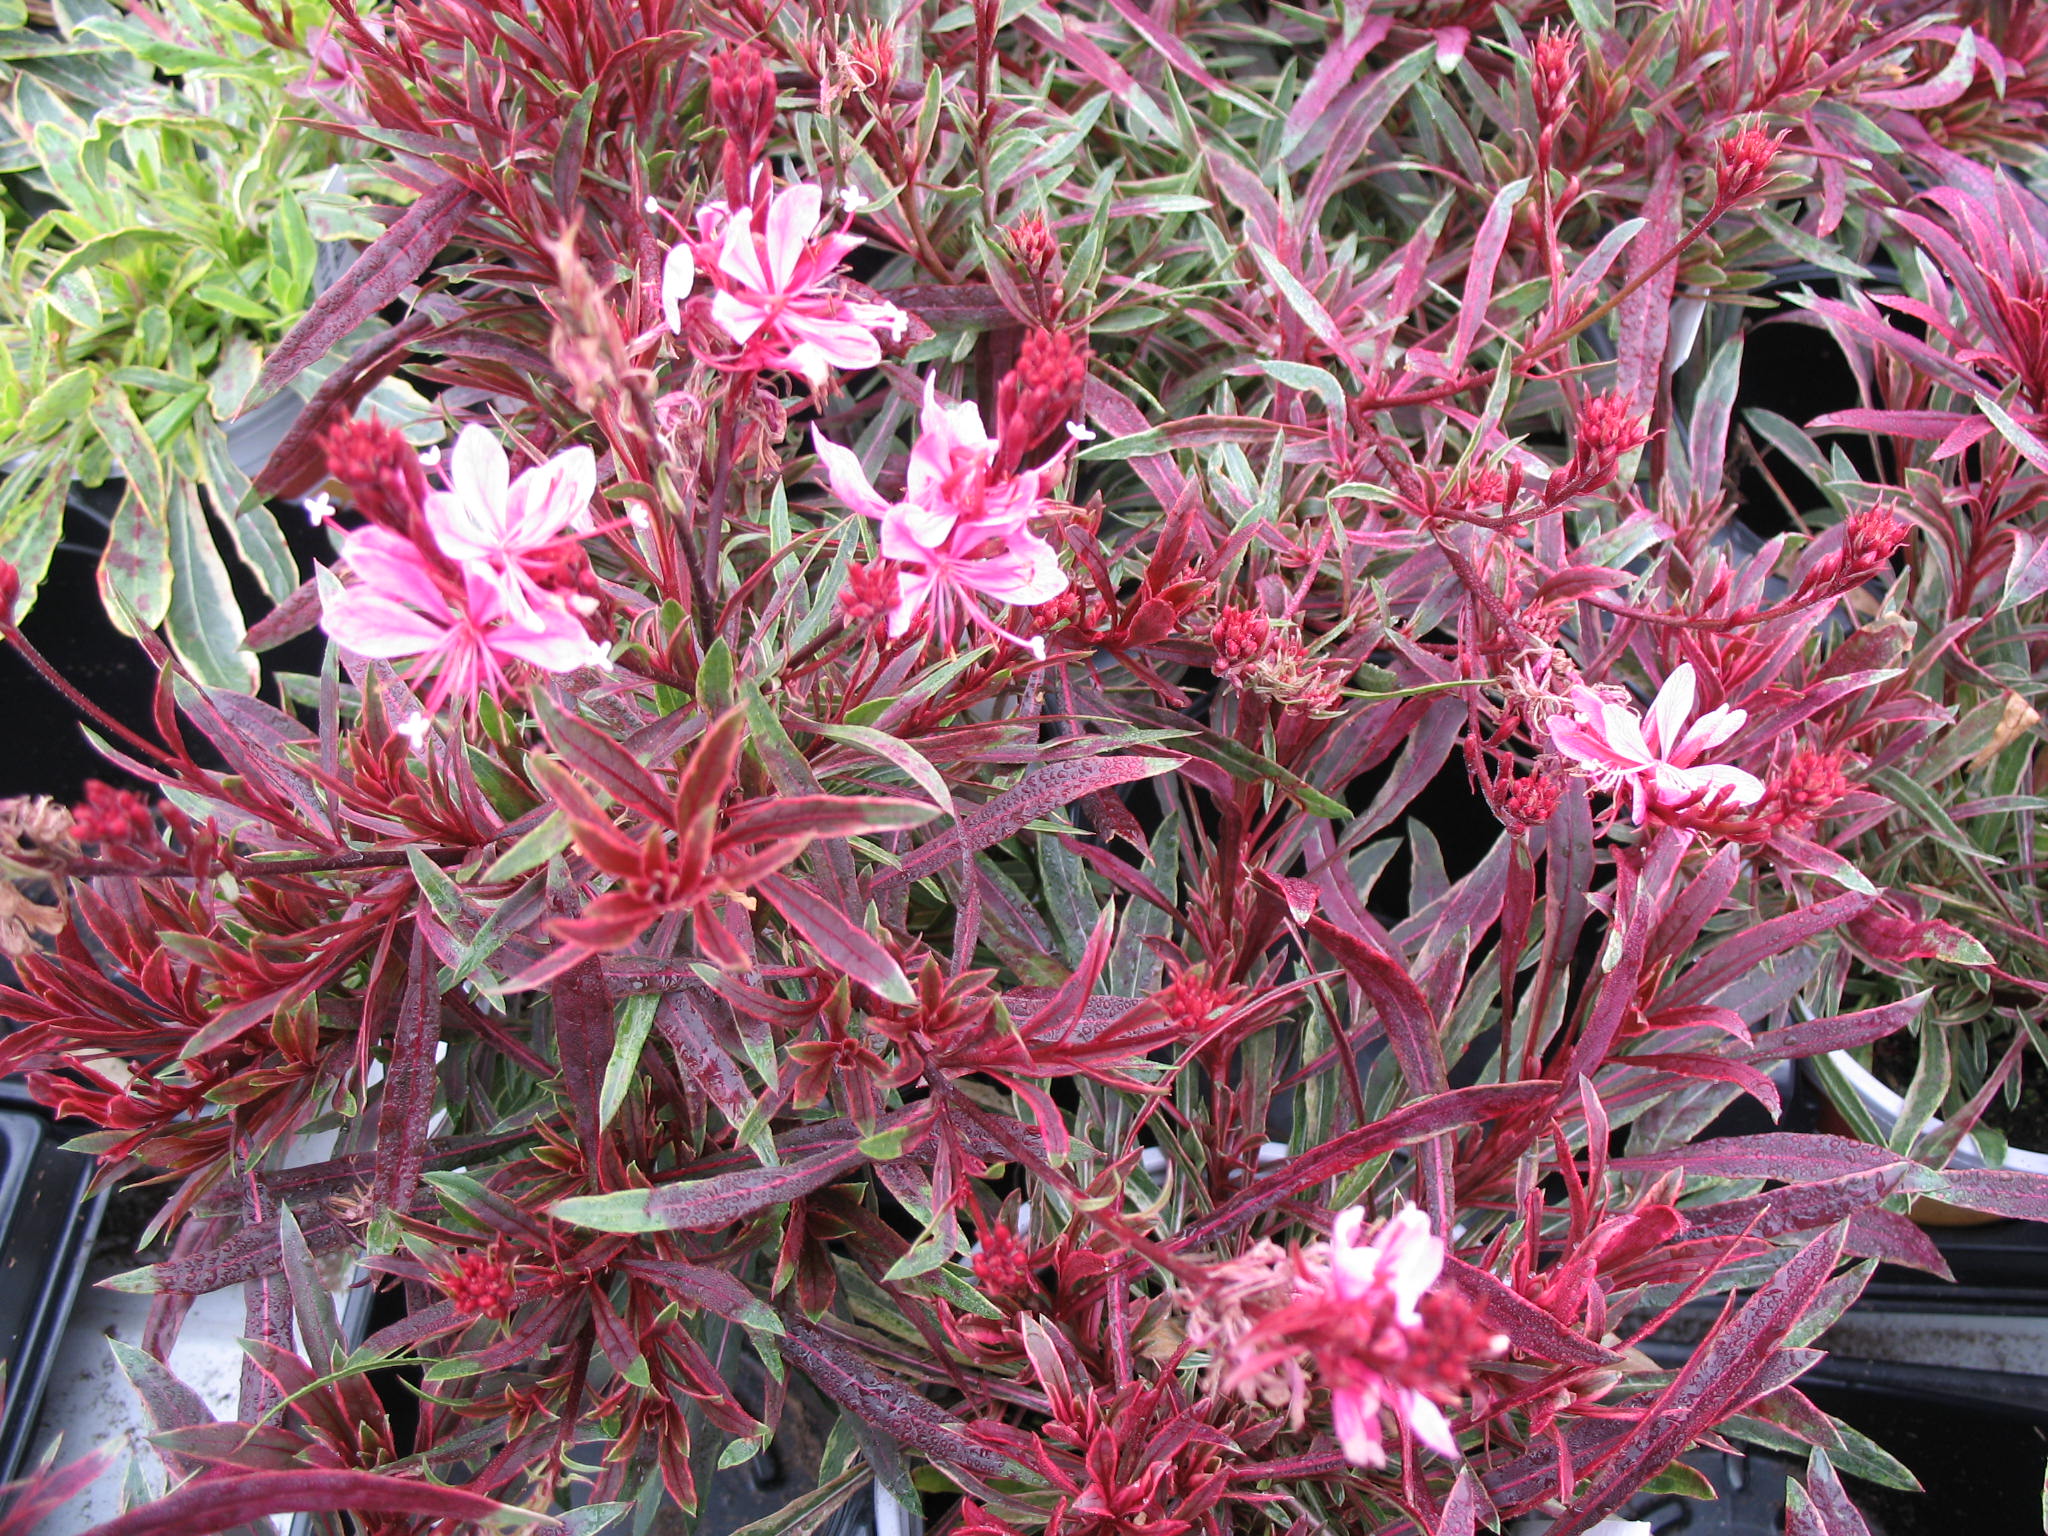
x=48 y=1221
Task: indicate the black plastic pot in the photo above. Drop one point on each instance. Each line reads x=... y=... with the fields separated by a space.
x=47 y=1224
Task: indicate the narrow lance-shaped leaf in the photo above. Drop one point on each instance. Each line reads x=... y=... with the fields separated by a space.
x=211 y=1504
x=706 y=1205
x=380 y=274
x=409 y=1080
x=839 y=941
x=1042 y=790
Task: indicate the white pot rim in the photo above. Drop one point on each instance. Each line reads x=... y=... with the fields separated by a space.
x=1886 y=1107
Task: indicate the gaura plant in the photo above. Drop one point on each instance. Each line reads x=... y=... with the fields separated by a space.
x=861 y=817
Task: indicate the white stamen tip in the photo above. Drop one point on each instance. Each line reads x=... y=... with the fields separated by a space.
x=319 y=508
x=1079 y=433
x=415 y=730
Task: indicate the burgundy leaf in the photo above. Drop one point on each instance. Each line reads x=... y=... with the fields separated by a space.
x=1998 y=1192
x=891 y=1406
x=1842 y=1032
x=295 y=616
x=211 y=1504
x=1529 y=1328
x=584 y=1034
x=409 y=1082
x=298 y=463
x=840 y=942
x=1042 y=790
x=1719 y=1376
x=1417 y=1121
x=1745 y=950
x=1783 y=1155
x=382 y=272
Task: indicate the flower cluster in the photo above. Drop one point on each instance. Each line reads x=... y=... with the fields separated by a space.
x=961 y=533
x=1652 y=760
x=475 y=578
x=1367 y=1320
x=775 y=300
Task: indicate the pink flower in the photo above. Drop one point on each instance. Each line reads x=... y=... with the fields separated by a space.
x=957 y=536
x=505 y=531
x=400 y=605
x=1366 y=1320
x=1653 y=759
x=473 y=578
x=774 y=290
x=1388 y=1276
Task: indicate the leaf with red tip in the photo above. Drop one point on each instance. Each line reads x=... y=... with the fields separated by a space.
x=839 y=941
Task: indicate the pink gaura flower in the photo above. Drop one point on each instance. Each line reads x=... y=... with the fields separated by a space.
x=1653 y=759
x=506 y=531
x=473 y=578
x=775 y=289
x=401 y=605
x=1365 y=1319
x=957 y=536
x=1387 y=1278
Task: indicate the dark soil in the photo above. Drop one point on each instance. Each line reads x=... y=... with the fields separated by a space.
x=2023 y=1124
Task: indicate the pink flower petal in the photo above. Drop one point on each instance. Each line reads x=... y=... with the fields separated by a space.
x=1669 y=711
x=1426 y=1421
x=478 y=473
x=678 y=277
x=849 y=482
x=792 y=219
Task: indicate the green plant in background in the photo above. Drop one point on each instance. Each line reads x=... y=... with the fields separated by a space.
x=164 y=218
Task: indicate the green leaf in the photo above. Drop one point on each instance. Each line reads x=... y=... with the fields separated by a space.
x=914 y=764
x=714 y=678
x=1241 y=762
x=1309 y=379
x=204 y=623
x=292 y=254
x=101 y=249
x=240 y=361
x=220 y=296
x=130 y=446
x=635 y=1021
x=135 y=568
x=531 y=851
x=63 y=400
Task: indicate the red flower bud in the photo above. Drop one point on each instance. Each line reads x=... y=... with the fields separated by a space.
x=379 y=469
x=1240 y=636
x=110 y=815
x=1745 y=168
x=1553 y=72
x=1039 y=396
x=480 y=1285
x=869 y=593
x=1032 y=243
